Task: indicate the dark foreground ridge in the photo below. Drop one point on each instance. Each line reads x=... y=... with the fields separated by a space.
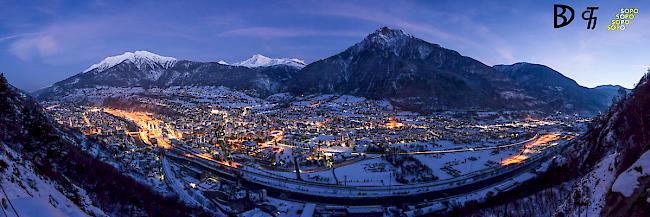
x=56 y=156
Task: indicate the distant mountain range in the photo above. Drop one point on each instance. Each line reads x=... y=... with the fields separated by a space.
x=556 y=91
x=388 y=64
x=259 y=60
x=259 y=74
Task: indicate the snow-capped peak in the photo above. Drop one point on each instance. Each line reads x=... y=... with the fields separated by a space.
x=387 y=37
x=259 y=60
x=387 y=34
x=139 y=58
x=223 y=62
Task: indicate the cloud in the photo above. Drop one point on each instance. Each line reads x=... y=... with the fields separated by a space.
x=79 y=39
x=13 y=36
x=274 y=32
x=384 y=18
x=27 y=47
x=506 y=53
x=461 y=30
x=55 y=40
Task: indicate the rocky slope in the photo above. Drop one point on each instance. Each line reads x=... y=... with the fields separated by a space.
x=412 y=73
x=44 y=170
x=605 y=172
x=610 y=93
x=557 y=92
x=623 y=135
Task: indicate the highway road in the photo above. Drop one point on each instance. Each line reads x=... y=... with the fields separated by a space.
x=320 y=191
x=444 y=151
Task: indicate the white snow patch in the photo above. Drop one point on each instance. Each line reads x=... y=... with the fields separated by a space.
x=599 y=180
x=259 y=60
x=628 y=181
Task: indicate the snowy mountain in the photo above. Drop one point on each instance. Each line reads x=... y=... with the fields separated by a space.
x=610 y=92
x=388 y=64
x=412 y=73
x=147 y=70
x=45 y=172
x=555 y=91
x=140 y=59
x=418 y=75
x=259 y=60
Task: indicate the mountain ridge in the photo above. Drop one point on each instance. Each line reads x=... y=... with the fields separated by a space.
x=391 y=64
x=560 y=91
x=139 y=58
x=259 y=60
x=260 y=80
x=388 y=64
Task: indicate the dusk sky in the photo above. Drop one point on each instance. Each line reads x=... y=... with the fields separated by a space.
x=46 y=41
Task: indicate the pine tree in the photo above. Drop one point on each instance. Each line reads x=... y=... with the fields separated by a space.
x=4 y=85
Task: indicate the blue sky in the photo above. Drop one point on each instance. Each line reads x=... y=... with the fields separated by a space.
x=46 y=41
